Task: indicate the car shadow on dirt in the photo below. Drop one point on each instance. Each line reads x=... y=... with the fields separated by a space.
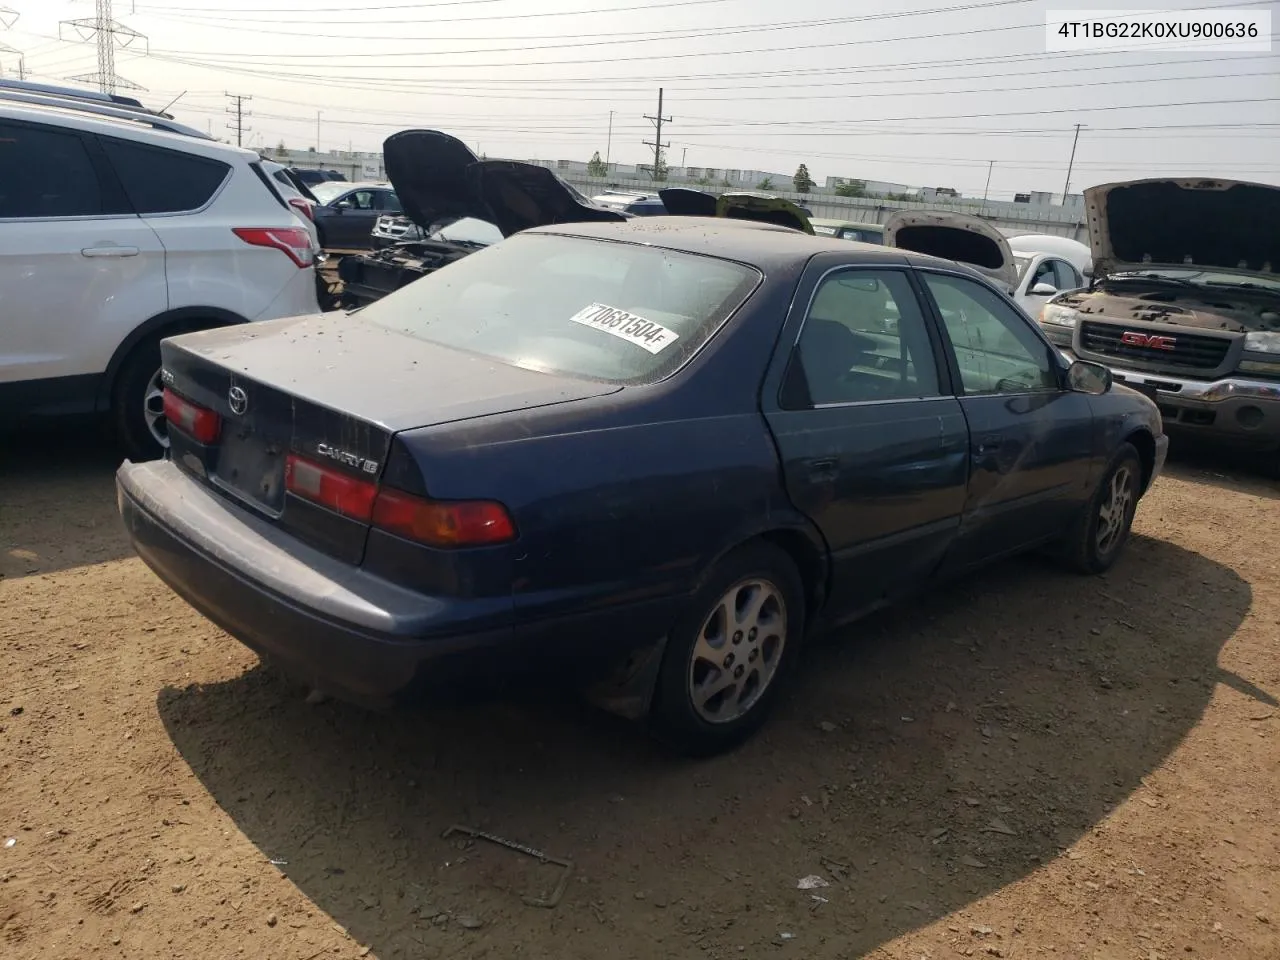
x=58 y=502
x=924 y=759
x=1229 y=469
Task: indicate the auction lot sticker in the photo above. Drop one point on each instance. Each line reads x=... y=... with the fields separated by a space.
x=631 y=327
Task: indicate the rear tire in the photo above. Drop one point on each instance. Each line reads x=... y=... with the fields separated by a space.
x=137 y=407
x=729 y=652
x=1099 y=535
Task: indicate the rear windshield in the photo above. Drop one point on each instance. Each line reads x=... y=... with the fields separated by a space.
x=611 y=311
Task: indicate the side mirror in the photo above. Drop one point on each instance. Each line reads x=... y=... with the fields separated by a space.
x=1088 y=272
x=1090 y=378
x=1043 y=289
x=342 y=205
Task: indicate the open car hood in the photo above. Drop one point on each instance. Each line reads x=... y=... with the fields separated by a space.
x=954 y=236
x=438 y=178
x=1224 y=225
x=742 y=205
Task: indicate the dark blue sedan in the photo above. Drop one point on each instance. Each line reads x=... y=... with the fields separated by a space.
x=647 y=457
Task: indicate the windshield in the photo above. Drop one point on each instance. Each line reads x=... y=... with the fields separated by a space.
x=599 y=309
x=329 y=190
x=1206 y=277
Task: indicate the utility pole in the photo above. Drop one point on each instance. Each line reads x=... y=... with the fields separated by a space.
x=657 y=144
x=990 y=164
x=238 y=111
x=103 y=28
x=608 y=144
x=1070 y=163
x=317 y=131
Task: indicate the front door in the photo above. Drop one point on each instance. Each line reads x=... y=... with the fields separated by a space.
x=1031 y=439
x=874 y=450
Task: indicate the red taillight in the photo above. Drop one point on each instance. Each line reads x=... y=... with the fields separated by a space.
x=304 y=207
x=294 y=242
x=443 y=523
x=436 y=523
x=198 y=422
x=329 y=488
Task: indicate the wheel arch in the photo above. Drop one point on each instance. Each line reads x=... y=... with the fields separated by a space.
x=169 y=323
x=1142 y=441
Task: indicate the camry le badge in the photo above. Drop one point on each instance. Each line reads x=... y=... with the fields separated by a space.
x=238 y=400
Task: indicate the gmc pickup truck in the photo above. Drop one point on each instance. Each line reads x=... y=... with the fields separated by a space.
x=1184 y=305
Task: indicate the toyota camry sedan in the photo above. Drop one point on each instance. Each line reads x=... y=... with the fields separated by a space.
x=647 y=457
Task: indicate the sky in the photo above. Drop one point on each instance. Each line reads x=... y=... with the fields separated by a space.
x=919 y=92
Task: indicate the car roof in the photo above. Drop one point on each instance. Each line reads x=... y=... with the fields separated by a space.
x=762 y=245
x=68 y=116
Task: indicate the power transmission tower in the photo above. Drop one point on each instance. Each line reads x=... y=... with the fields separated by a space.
x=8 y=17
x=658 y=171
x=103 y=28
x=238 y=111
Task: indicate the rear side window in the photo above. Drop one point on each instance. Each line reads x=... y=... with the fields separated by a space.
x=164 y=181
x=46 y=173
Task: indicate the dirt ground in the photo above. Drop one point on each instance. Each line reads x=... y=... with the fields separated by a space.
x=1028 y=764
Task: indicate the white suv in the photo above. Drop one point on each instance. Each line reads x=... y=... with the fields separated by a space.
x=118 y=228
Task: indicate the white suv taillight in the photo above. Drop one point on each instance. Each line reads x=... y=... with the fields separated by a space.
x=294 y=242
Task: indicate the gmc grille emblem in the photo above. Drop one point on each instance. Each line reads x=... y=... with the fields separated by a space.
x=1152 y=341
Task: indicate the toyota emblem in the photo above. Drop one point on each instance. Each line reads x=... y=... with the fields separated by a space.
x=238 y=400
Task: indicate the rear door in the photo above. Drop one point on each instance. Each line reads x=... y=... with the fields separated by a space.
x=873 y=445
x=1031 y=439
x=78 y=269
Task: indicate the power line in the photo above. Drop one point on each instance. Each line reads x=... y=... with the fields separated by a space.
x=238 y=111
x=597 y=37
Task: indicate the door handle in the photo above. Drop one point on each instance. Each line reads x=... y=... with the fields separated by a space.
x=109 y=250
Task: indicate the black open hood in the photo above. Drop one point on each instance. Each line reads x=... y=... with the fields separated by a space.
x=1185 y=223
x=741 y=205
x=954 y=236
x=438 y=178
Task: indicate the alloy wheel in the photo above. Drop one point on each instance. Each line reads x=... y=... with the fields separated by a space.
x=738 y=650
x=153 y=411
x=1113 y=513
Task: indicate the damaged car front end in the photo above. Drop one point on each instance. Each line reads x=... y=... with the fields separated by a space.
x=1184 y=304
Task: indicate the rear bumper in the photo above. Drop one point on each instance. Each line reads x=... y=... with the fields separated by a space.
x=1236 y=411
x=352 y=635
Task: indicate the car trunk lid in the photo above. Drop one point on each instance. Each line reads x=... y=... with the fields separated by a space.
x=332 y=391
x=954 y=236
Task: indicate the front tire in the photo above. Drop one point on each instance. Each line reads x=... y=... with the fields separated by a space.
x=1097 y=538
x=728 y=654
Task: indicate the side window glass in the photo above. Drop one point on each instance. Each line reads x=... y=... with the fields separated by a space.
x=46 y=173
x=995 y=347
x=1068 y=277
x=1044 y=274
x=390 y=203
x=164 y=181
x=865 y=339
x=361 y=199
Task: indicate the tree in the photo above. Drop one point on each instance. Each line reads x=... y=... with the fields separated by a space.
x=803 y=182
x=281 y=149
x=703 y=181
x=597 y=167
x=852 y=188
x=660 y=172
x=765 y=184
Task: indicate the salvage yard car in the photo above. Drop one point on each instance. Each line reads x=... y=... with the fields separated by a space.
x=644 y=457
x=1184 y=304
